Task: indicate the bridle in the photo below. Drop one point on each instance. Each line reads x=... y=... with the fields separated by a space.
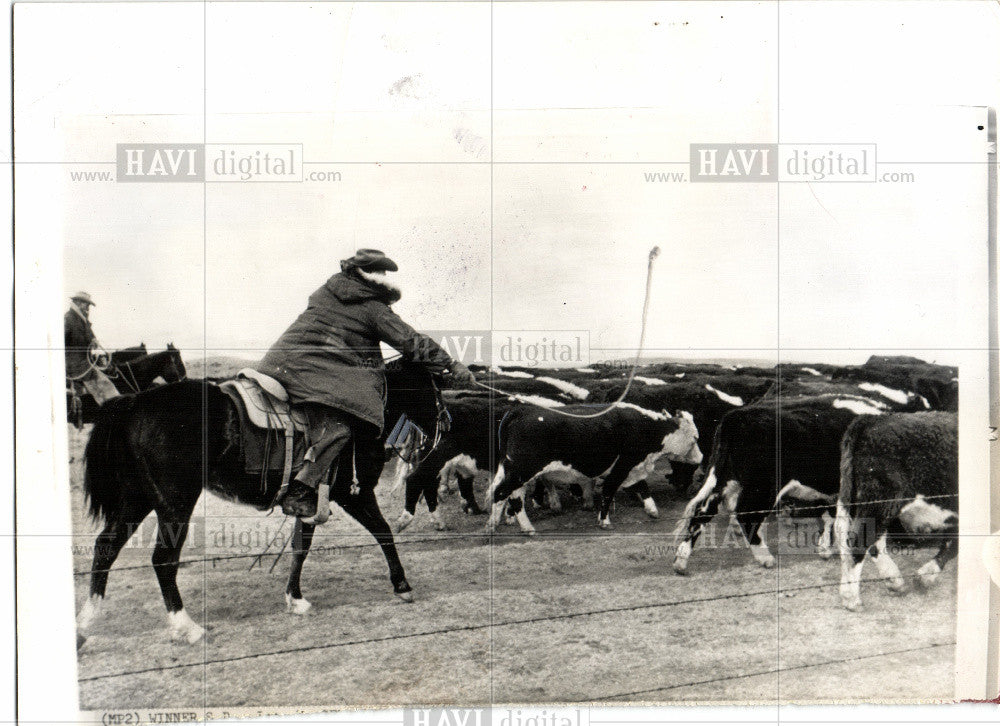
x=442 y=424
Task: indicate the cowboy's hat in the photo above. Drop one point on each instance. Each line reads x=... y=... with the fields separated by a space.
x=83 y=297
x=370 y=260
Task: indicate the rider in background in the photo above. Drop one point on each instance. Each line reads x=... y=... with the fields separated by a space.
x=330 y=362
x=80 y=344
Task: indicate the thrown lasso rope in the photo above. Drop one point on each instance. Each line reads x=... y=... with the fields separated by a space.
x=653 y=254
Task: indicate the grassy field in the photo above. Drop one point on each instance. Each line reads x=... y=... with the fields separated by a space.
x=713 y=643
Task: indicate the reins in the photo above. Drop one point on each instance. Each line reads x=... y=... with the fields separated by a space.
x=653 y=254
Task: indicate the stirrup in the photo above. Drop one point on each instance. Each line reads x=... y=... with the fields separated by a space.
x=322 y=507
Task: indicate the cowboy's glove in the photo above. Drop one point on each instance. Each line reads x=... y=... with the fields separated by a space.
x=461 y=374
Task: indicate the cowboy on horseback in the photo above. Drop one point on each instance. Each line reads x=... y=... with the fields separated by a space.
x=84 y=353
x=330 y=362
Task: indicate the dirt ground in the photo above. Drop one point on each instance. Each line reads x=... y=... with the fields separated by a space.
x=641 y=633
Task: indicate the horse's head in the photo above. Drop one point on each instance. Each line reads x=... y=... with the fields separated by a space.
x=175 y=370
x=410 y=389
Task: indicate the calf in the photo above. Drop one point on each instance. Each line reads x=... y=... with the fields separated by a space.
x=622 y=445
x=903 y=466
x=766 y=455
x=469 y=445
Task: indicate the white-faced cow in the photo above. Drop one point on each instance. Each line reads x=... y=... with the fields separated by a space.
x=768 y=455
x=902 y=466
x=622 y=445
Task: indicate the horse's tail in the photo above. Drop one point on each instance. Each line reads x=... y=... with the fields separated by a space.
x=107 y=458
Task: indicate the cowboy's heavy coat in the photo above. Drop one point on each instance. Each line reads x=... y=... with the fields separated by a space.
x=331 y=355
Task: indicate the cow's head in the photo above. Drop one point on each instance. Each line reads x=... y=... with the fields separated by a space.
x=681 y=445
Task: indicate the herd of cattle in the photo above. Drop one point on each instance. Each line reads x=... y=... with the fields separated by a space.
x=866 y=449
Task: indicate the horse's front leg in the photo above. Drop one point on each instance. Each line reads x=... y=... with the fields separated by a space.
x=364 y=508
x=302 y=537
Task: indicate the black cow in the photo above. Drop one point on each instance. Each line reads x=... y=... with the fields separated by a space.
x=891 y=399
x=903 y=466
x=937 y=384
x=744 y=468
x=622 y=445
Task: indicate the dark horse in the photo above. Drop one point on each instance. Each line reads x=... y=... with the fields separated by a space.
x=126 y=354
x=154 y=451
x=130 y=371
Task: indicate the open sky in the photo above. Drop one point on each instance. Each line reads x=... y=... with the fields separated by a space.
x=574 y=103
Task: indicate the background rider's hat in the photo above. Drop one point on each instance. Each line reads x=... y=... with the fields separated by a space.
x=83 y=297
x=370 y=261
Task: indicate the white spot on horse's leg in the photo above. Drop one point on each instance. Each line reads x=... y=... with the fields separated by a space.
x=522 y=514
x=762 y=554
x=681 y=558
x=439 y=524
x=89 y=613
x=650 y=506
x=604 y=522
x=928 y=574
x=825 y=547
x=296 y=606
x=403 y=521
x=887 y=569
x=183 y=628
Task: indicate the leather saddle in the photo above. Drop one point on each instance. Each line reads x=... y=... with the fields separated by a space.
x=271 y=433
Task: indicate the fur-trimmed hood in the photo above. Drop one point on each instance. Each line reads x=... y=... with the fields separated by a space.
x=358 y=286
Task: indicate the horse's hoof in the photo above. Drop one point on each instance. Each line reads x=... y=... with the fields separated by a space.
x=190 y=635
x=403 y=591
x=604 y=523
x=681 y=568
x=296 y=606
x=183 y=629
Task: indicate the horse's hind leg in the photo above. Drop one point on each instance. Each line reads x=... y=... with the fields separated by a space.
x=171 y=531
x=107 y=546
x=301 y=542
x=364 y=508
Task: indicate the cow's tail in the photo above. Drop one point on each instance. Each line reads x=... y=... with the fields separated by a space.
x=850 y=524
x=107 y=459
